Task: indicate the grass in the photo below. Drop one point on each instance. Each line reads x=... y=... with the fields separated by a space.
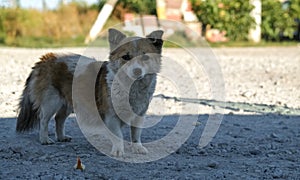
x=177 y=40
x=49 y=42
x=252 y=44
x=44 y=42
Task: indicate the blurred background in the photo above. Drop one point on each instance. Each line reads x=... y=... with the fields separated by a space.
x=58 y=23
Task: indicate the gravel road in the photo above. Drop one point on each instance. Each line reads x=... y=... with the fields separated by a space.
x=259 y=137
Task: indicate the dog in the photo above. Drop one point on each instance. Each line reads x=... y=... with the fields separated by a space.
x=48 y=89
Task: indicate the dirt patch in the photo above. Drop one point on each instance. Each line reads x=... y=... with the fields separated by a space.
x=246 y=146
x=259 y=136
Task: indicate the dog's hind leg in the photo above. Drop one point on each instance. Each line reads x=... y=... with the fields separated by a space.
x=60 y=118
x=45 y=115
x=50 y=104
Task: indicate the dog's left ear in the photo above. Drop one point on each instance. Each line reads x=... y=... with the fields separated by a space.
x=156 y=38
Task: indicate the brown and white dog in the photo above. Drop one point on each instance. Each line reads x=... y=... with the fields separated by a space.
x=48 y=89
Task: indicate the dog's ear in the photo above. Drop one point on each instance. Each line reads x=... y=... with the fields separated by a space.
x=156 y=34
x=114 y=38
x=156 y=38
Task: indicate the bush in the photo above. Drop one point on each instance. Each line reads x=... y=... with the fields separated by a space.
x=276 y=21
x=294 y=9
x=234 y=17
x=26 y=27
x=134 y=6
x=230 y=16
x=138 y=6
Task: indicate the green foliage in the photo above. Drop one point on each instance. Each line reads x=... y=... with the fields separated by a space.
x=99 y=5
x=62 y=27
x=16 y=23
x=262 y=43
x=139 y=6
x=295 y=9
x=230 y=16
x=277 y=21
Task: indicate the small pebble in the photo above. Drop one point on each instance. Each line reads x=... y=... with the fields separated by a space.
x=27 y=163
x=277 y=173
x=196 y=123
x=274 y=135
x=255 y=152
x=213 y=165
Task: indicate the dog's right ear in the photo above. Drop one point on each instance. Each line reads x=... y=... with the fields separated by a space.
x=114 y=38
x=156 y=38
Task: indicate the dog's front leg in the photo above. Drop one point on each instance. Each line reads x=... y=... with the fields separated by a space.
x=116 y=136
x=136 y=132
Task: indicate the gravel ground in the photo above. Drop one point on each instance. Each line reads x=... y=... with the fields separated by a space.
x=248 y=145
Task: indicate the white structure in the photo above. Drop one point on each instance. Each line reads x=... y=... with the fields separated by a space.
x=101 y=19
x=255 y=33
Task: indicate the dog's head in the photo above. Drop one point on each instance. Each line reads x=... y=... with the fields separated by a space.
x=140 y=55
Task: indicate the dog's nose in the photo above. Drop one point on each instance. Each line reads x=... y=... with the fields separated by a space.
x=137 y=72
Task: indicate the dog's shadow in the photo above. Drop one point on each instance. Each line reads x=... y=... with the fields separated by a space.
x=248 y=138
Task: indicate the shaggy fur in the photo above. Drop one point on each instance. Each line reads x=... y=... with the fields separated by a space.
x=133 y=64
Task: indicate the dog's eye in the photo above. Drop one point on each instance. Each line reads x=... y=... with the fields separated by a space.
x=126 y=57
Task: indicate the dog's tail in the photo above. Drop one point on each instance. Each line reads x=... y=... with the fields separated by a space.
x=27 y=117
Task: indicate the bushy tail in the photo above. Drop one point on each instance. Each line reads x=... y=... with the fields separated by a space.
x=27 y=118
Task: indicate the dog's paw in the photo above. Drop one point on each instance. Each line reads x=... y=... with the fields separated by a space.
x=46 y=141
x=64 y=139
x=117 y=151
x=138 y=148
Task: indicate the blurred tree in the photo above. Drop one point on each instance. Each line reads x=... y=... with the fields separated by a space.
x=138 y=6
x=134 y=6
x=68 y=23
x=295 y=9
x=15 y=3
x=277 y=21
x=226 y=15
x=100 y=4
x=295 y=13
x=45 y=5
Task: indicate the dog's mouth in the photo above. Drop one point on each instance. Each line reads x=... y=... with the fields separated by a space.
x=137 y=78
